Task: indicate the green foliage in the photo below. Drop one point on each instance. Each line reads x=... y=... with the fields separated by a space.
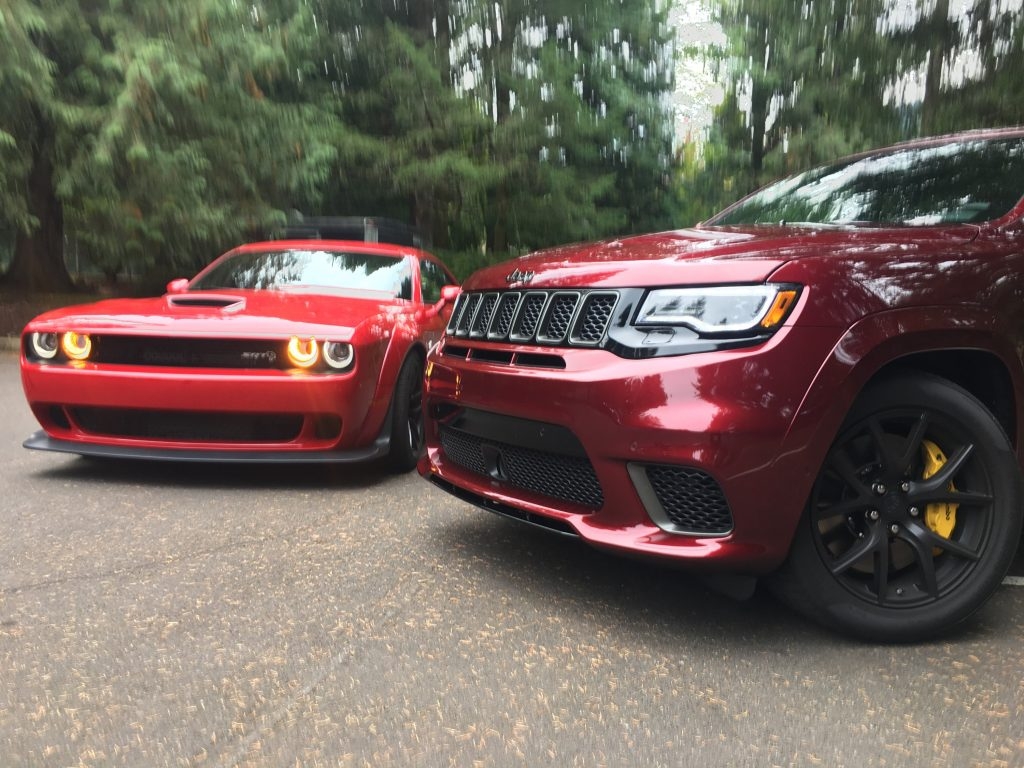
x=808 y=82
x=148 y=136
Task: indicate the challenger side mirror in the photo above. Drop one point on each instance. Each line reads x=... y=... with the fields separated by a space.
x=178 y=286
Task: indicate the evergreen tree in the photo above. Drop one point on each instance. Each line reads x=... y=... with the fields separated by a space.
x=150 y=140
x=576 y=94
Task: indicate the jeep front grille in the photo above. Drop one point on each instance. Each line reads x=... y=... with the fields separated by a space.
x=543 y=317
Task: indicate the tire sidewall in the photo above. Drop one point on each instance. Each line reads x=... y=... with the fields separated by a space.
x=402 y=457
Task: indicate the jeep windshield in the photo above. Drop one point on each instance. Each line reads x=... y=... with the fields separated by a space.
x=295 y=269
x=961 y=182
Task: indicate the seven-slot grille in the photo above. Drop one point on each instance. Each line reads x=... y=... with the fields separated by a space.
x=547 y=317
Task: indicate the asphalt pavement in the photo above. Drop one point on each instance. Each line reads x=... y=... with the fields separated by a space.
x=191 y=615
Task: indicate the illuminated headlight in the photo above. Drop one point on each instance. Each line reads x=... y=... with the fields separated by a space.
x=725 y=309
x=44 y=345
x=76 y=346
x=338 y=354
x=303 y=352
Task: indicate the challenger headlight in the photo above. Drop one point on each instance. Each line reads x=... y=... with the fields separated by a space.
x=338 y=354
x=719 y=310
x=77 y=346
x=303 y=352
x=44 y=345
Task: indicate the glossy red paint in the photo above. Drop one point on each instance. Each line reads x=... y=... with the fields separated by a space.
x=757 y=417
x=333 y=415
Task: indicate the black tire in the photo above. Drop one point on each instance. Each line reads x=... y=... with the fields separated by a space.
x=899 y=543
x=407 y=430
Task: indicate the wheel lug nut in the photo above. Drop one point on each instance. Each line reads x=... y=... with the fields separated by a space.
x=904 y=486
x=879 y=488
x=873 y=514
x=894 y=528
x=914 y=511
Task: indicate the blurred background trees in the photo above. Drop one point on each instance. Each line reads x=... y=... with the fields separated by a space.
x=139 y=140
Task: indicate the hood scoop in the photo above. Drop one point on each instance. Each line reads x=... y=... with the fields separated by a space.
x=206 y=301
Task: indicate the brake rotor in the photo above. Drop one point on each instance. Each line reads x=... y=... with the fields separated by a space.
x=939 y=517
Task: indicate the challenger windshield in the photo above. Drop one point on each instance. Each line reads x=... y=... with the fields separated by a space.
x=310 y=269
x=963 y=182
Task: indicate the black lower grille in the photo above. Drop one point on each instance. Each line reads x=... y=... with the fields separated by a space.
x=557 y=475
x=191 y=353
x=693 y=501
x=189 y=426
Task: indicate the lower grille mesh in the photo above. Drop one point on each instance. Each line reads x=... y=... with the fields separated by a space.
x=188 y=426
x=692 y=500
x=570 y=478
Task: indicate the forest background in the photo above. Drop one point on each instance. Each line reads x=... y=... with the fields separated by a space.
x=138 y=140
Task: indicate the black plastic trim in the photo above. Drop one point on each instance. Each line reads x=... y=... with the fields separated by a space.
x=378 y=449
x=523 y=433
x=552 y=525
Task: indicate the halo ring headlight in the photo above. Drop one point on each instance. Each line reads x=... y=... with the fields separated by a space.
x=77 y=346
x=338 y=354
x=44 y=345
x=303 y=352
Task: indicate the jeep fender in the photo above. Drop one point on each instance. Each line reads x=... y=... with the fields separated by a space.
x=865 y=349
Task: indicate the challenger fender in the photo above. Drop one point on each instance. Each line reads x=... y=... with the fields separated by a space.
x=858 y=356
x=403 y=340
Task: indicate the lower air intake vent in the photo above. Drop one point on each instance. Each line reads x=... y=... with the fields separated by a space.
x=190 y=427
x=570 y=478
x=683 y=500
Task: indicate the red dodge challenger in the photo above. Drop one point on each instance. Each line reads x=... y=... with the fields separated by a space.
x=823 y=384
x=301 y=350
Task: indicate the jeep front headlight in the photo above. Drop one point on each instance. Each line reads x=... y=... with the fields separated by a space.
x=719 y=310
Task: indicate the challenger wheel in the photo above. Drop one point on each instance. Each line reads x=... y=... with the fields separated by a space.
x=407 y=435
x=914 y=518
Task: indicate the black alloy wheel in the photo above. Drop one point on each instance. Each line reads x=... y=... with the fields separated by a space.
x=407 y=430
x=914 y=518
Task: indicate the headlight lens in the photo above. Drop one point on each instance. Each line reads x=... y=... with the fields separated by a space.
x=727 y=309
x=303 y=352
x=44 y=345
x=338 y=354
x=77 y=346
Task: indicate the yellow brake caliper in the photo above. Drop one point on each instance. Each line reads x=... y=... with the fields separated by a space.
x=939 y=517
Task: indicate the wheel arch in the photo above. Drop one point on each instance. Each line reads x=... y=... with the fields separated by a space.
x=935 y=341
x=979 y=371
x=399 y=349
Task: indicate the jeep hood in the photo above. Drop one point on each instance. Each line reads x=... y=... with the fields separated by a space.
x=707 y=255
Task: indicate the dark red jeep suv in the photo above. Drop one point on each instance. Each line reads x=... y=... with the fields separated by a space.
x=822 y=384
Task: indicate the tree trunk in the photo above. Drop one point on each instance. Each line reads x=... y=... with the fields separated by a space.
x=758 y=121
x=38 y=263
x=939 y=39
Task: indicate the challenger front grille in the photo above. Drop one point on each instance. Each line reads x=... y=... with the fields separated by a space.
x=543 y=317
x=169 y=352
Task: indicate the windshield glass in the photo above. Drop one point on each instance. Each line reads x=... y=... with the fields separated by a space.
x=295 y=268
x=968 y=181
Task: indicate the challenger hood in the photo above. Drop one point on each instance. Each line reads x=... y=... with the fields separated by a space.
x=238 y=314
x=711 y=255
